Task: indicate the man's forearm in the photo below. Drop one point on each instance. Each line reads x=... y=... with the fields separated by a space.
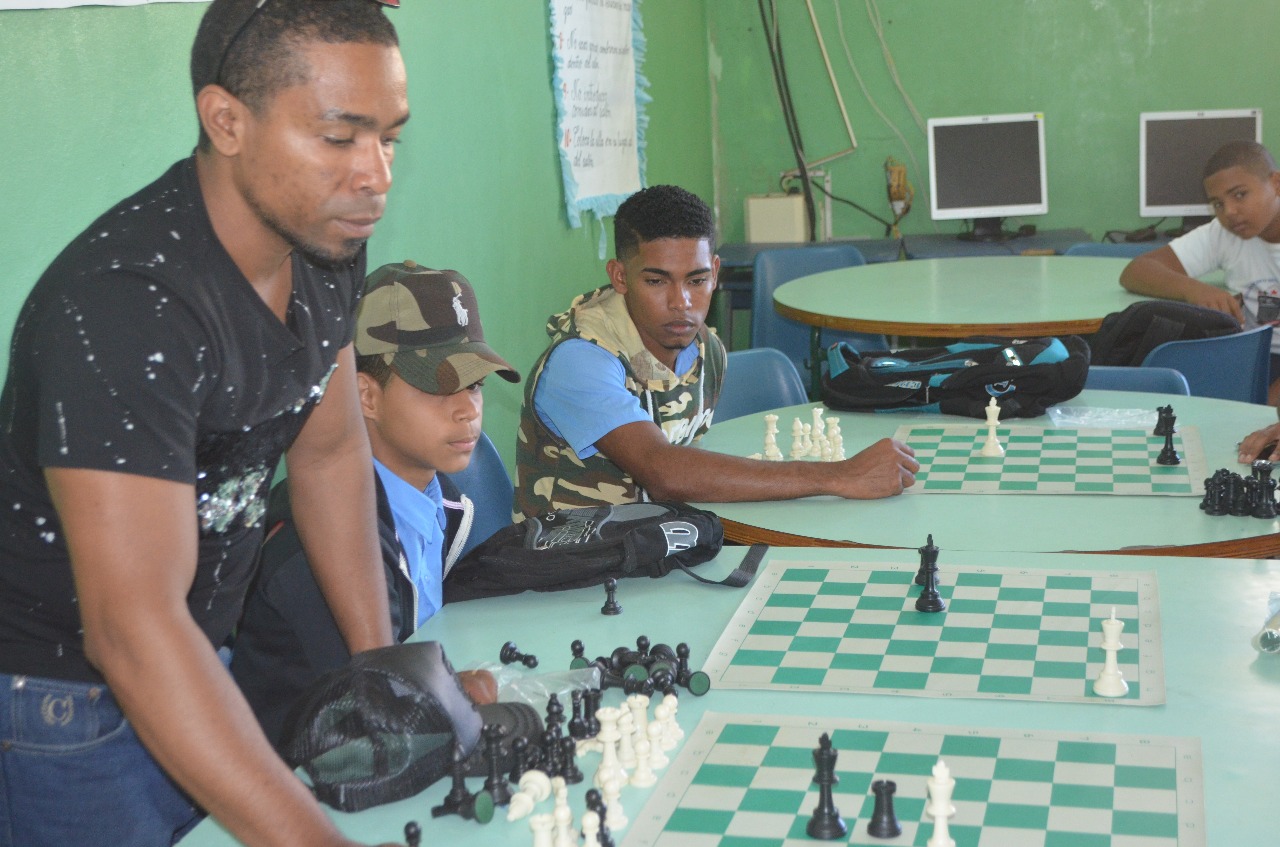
x=333 y=507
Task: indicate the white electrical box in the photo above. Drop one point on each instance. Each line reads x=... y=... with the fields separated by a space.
x=776 y=218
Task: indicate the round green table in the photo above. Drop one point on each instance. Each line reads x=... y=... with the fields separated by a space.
x=1031 y=523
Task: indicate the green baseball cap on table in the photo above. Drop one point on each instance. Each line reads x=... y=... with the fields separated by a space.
x=425 y=323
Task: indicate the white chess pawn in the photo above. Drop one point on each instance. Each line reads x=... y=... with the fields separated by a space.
x=672 y=729
x=1110 y=681
x=590 y=827
x=611 y=794
x=639 y=706
x=535 y=787
x=662 y=716
x=564 y=834
x=657 y=759
x=797 y=439
x=643 y=776
x=807 y=440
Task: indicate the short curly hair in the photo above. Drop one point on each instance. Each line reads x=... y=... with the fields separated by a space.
x=1250 y=155
x=262 y=57
x=660 y=211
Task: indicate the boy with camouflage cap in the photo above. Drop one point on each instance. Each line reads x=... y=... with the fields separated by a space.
x=421 y=358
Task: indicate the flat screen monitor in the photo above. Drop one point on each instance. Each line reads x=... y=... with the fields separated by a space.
x=987 y=167
x=1172 y=150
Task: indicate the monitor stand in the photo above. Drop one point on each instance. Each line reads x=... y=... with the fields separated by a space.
x=1189 y=222
x=987 y=229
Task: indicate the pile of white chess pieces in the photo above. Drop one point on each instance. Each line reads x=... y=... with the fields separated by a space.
x=819 y=440
x=631 y=748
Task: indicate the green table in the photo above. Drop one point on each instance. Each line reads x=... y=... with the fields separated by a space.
x=1217 y=688
x=948 y=298
x=1011 y=522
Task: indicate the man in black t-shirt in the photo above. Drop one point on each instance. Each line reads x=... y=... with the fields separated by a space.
x=163 y=364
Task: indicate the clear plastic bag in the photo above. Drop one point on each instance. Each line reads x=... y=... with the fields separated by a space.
x=1087 y=416
x=518 y=684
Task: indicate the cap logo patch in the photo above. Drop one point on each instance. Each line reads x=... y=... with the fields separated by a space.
x=460 y=310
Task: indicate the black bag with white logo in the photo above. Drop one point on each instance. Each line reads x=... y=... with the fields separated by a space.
x=573 y=548
x=1025 y=376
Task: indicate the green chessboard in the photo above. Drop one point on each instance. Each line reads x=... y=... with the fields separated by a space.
x=1006 y=634
x=1047 y=460
x=746 y=781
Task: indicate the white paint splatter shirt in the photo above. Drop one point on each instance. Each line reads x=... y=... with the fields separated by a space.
x=144 y=350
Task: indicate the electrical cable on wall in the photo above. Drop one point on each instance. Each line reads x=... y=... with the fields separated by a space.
x=773 y=38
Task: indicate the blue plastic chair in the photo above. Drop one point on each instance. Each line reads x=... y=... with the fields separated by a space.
x=488 y=484
x=1232 y=367
x=756 y=380
x=773 y=268
x=1152 y=380
x=1119 y=250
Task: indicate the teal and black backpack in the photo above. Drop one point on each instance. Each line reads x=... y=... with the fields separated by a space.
x=1025 y=376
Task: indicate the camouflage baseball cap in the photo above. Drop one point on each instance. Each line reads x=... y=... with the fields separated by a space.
x=426 y=325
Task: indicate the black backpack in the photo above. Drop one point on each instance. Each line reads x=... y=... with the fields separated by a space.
x=1025 y=376
x=1126 y=337
x=573 y=548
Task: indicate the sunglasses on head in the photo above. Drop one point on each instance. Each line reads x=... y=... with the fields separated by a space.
x=253 y=13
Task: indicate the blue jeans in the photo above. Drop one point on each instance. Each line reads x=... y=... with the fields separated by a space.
x=73 y=772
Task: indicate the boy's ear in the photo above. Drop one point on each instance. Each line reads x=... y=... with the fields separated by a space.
x=370 y=395
x=617 y=275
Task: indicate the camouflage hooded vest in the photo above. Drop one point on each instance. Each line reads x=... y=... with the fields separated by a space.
x=549 y=474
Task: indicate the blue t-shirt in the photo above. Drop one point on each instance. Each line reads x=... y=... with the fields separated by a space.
x=582 y=394
x=420 y=524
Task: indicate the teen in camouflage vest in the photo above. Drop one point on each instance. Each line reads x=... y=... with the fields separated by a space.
x=550 y=475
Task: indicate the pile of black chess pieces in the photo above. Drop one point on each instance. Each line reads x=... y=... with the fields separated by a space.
x=554 y=753
x=646 y=669
x=1229 y=493
x=826 y=823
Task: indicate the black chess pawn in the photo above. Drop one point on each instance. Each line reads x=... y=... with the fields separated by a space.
x=611 y=605
x=496 y=783
x=826 y=823
x=579 y=652
x=510 y=654
x=569 y=770
x=577 y=726
x=519 y=758
x=928 y=558
x=883 y=823
x=642 y=646
x=551 y=760
x=459 y=801
x=695 y=682
x=634 y=685
x=412 y=834
x=1168 y=455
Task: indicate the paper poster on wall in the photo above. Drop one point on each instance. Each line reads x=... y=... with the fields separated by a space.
x=66 y=4
x=597 y=46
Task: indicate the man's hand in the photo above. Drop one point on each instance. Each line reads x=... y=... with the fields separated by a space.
x=1255 y=443
x=885 y=469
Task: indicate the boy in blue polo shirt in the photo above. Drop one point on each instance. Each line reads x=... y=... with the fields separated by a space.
x=421 y=358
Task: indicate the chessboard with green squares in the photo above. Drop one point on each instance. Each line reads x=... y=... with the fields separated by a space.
x=1053 y=460
x=746 y=781
x=1006 y=634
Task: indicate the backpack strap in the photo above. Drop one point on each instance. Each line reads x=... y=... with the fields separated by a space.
x=741 y=575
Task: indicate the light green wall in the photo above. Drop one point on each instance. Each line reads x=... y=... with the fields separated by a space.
x=1090 y=65
x=95 y=103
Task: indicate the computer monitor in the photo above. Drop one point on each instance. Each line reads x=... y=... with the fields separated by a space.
x=1172 y=150
x=987 y=167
